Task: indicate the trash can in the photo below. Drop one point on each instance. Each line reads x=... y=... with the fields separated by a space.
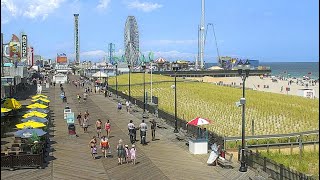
x=72 y=129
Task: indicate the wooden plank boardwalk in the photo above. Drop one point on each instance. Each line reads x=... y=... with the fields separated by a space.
x=70 y=157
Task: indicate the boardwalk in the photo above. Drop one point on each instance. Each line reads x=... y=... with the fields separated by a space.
x=70 y=156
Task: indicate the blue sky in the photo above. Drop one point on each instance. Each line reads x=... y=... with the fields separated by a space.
x=268 y=30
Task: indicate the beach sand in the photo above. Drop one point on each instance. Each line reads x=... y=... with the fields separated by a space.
x=256 y=83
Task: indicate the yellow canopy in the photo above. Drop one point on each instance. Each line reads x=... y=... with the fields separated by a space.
x=37 y=105
x=34 y=113
x=38 y=96
x=32 y=124
x=12 y=103
x=41 y=99
x=4 y=110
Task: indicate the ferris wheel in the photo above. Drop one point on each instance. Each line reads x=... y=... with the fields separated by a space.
x=131 y=41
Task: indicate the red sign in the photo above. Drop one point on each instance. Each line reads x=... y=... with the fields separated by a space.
x=62 y=59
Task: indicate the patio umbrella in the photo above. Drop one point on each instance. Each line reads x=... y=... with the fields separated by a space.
x=12 y=103
x=35 y=118
x=31 y=124
x=38 y=96
x=27 y=132
x=41 y=99
x=39 y=110
x=35 y=113
x=198 y=121
x=37 y=105
x=4 y=110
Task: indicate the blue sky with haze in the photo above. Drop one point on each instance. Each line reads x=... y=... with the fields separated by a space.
x=268 y=30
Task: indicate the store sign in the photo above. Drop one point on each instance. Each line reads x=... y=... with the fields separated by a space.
x=24 y=49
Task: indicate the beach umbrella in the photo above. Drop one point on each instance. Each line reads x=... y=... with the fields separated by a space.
x=198 y=121
x=27 y=132
x=39 y=110
x=41 y=99
x=12 y=103
x=32 y=124
x=38 y=96
x=35 y=118
x=34 y=113
x=4 y=110
x=37 y=105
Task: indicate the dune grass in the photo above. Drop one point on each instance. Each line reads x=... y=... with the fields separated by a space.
x=272 y=113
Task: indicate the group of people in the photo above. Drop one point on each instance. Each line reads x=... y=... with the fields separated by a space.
x=123 y=152
x=83 y=121
x=143 y=127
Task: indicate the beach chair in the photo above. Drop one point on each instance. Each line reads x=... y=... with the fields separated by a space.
x=225 y=162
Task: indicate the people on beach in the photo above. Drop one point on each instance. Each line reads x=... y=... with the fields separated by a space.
x=153 y=129
x=120 y=152
x=133 y=152
x=143 y=132
x=85 y=123
x=107 y=127
x=128 y=156
x=105 y=146
x=79 y=119
x=92 y=145
x=98 y=127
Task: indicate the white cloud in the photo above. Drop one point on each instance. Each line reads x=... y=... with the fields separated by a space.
x=41 y=8
x=30 y=9
x=144 y=6
x=103 y=4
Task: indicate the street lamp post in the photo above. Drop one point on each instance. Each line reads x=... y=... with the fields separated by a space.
x=117 y=80
x=144 y=87
x=175 y=68
x=129 y=66
x=151 y=84
x=243 y=70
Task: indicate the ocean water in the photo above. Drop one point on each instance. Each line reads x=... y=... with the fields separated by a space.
x=295 y=69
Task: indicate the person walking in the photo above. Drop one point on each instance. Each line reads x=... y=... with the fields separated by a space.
x=133 y=152
x=153 y=129
x=143 y=132
x=121 y=152
x=79 y=98
x=127 y=106
x=79 y=119
x=85 y=96
x=85 y=123
x=119 y=106
x=131 y=129
x=128 y=156
x=98 y=127
x=93 y=146
x=108 y=128
x=105 y=146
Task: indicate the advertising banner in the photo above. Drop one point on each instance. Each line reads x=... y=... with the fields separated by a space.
x=14 y=49
x=30 y=56
x=62 y=59
x=24 y=49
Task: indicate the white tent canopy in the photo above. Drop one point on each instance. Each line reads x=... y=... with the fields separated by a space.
x=100 y=74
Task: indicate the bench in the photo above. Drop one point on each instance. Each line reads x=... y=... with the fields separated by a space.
x=225 y=162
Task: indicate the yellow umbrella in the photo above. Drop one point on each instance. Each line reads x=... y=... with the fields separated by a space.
x=12 y=103
x=34 y=113
x=38 y=96
x=4 y=110
x=41 y=99
x=37 y=105
x=32 y=124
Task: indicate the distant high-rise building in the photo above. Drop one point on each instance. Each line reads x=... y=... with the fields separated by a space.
x=76 y=38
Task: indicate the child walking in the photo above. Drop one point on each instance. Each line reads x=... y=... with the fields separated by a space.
x=127 y=158
x=133 y=154
x=94 y=151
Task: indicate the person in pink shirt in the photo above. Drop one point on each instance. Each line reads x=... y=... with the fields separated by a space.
x=133 y=154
